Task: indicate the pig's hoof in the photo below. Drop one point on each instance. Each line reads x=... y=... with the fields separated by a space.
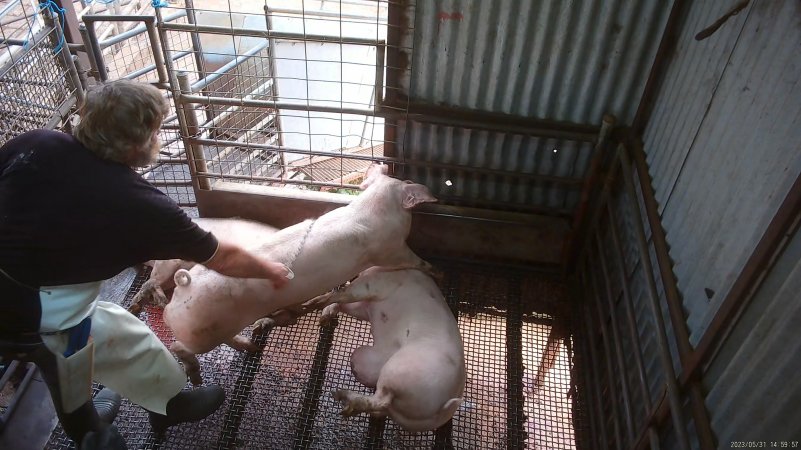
x=329 y=314
x=135 y=309
x=195 y=379
x=347 y=407
x=263 y=325
x=159 y=297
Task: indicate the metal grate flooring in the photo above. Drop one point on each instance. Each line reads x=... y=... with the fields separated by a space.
x=281 y=398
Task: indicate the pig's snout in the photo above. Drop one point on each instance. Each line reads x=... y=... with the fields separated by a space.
x=182 y=277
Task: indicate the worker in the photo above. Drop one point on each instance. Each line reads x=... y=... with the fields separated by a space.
x=73 y=213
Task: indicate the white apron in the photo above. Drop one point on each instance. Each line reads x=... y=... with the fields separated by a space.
x=125 y=354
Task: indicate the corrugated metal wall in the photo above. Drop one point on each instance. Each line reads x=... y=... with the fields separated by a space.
x=723 y=143
x=525 y=58
x=724 y=147
x=508 y=165
x=754 y=383
x=570 y=61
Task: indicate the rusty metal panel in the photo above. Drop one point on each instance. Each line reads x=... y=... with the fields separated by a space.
x=753 y=383
x=565 y=61
x=512 y=157
x=723 y=144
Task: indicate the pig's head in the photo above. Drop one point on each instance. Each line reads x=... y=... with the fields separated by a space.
x=409 y=193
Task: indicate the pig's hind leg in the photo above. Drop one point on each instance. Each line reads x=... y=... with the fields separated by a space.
x=354 y=403
x=242 y=344
x=190 y=362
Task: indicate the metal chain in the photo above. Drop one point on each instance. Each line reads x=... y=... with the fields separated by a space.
x=291 y=261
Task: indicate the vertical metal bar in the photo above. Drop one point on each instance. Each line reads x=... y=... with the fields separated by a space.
x=66 y=58
x=90 y=53
x=515 y=438
x=611 y=385
x=72 y=27
x=632 y=325
x=194 y=151
x=196 y=46
x=379 y=75
x=653 y=301
x=158 y=57
x=672 y=296
x=81 y=74
x=590 y=182
x=179 y=107
x=616 y=338
x=585 y=371
x=276 y=95
x=97 y=52
x=594 y=373
x=314 y=387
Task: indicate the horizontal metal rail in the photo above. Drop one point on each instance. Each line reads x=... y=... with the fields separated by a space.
x=217 y=74
x=269 y=34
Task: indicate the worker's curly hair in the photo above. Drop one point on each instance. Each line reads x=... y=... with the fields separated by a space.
x=120 y=121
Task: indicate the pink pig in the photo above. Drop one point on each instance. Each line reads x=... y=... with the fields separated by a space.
x=208 y=309
x=416 y=362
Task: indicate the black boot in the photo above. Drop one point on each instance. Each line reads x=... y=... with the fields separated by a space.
x=107 y=403
x=188 y=406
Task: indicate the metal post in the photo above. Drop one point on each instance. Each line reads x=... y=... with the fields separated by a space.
x=599 y=152
x=97 y=53
x=672 y=296
x=621 y=365
x=194 y=152
x=593 y=374
x=66 y=59
x=608 y=360
x=632 y=325
x=272 y=48
x=155 y=45
x=582 y=343
x=656 y=312
x=90 y=53
x=196 y=46
x=72 y=28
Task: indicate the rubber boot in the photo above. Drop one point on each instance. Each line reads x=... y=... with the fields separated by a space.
x=107 y=438
x=107 y=403
x=189 y=405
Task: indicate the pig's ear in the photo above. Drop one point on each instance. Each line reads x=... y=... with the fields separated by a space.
x=414 y=194
x=374 y=171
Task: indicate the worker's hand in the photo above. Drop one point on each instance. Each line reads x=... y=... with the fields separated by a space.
x=279 y=274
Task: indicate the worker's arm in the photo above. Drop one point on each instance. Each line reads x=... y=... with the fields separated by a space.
x=234 y=261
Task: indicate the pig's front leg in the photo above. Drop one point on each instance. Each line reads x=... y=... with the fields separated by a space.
x=351 y=300
x=151 y=293
x=357 y=310
x=404 y=259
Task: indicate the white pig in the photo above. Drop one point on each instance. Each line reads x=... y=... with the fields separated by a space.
x=416 y=362
x=208 y=308
x=244 y=233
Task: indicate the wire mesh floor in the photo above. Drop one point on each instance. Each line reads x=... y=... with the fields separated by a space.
x=281 y=398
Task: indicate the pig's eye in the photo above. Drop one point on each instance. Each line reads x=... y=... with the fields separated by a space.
x=408 y=181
